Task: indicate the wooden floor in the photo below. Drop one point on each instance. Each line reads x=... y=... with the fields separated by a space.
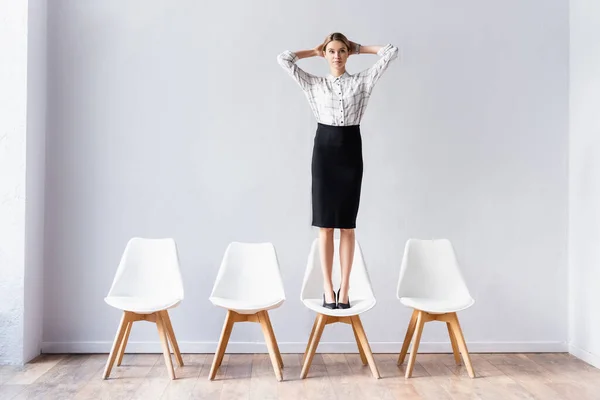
x=332 y=376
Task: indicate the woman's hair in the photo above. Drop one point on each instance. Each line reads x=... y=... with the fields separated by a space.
x=336 y=36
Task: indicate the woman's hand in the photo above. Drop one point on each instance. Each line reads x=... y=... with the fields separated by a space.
x=319 y=51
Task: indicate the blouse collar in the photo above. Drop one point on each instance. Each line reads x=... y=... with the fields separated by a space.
x=334 y=78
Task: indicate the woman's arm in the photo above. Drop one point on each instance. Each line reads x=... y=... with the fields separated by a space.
x=288 y=59
x=367 y=49
x=387 y=54
x=307 y=53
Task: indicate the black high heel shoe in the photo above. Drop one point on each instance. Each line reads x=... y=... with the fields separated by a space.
x=331 y=306
x=340 y=304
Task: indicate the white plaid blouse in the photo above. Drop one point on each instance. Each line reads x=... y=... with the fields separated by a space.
x=340 y=101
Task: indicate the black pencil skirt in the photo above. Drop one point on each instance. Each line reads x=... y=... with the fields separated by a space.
x=337 y=170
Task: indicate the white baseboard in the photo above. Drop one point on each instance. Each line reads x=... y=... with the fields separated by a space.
x=589 y=358
x=299 y=347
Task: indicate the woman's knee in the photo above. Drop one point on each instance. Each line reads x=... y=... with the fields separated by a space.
x=347 y=232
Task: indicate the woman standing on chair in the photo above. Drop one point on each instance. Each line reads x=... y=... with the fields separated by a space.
x=338 y=101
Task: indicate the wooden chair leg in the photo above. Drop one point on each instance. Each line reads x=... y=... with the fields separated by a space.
x=162 y=333
x=116 y=344
x=415 y=346
x=275 y=345
x=360 y=332
x=360 y=348
x=312 y=333
x=313 y=344
x=225 y=334
x=462 y=345
x=409 y=335
x=454 y=344
x=171 y=335
x=124 y=343
x=271 y=345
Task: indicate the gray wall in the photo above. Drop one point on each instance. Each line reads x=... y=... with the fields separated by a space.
x=22 y=157
x=36 y=149
x=174 y=119
x=584 y=169
x=13 y=134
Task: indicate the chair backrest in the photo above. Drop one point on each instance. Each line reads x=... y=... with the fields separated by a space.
x=149 y=268
x=248 y=272
x=430 y=269
x=360 y=282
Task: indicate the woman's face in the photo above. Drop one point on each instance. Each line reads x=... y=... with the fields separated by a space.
x=336 y=54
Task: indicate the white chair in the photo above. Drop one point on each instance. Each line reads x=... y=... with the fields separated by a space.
x=248 y=284
x=361 y=298
x=431 y=283
x=147 y=284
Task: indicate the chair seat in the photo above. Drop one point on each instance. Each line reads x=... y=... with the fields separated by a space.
x=142 y=305
x=435 y=306
x=244 y=306
x=357 y=307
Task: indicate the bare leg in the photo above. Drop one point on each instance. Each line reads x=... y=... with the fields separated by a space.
x=326 y=252
x=346 y=256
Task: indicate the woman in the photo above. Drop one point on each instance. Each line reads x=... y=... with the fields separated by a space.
x=338 y=101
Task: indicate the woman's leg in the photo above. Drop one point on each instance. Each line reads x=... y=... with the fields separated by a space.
x=347 y=239
x=326 y=252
